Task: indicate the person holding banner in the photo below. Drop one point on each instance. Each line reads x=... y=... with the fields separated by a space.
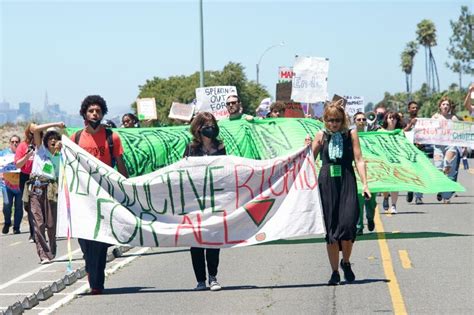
x=43 y=189
x=361 y=125
x=12 y=194
x=129 y=120
x=339 y=148
x=446 y=158
x=277 y=109
x=205 y=130
x=234 y=107
x=107 y=147
x=391 y=121
x=24 y=161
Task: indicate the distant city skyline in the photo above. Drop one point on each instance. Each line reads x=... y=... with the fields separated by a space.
x=73 y=49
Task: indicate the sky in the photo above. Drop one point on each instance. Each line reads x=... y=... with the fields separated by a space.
x=75 y=48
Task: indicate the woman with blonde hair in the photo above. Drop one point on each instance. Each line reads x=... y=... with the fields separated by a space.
x=446 y=158
x=339 y=148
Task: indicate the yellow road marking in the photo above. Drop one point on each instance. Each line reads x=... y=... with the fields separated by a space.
x=394 y=288
x=406 y=263
x=16 y=243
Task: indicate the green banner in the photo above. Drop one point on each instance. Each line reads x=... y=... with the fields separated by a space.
x=393 y=163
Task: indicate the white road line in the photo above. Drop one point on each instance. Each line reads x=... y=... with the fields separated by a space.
x=32 y=272
x=85 y=287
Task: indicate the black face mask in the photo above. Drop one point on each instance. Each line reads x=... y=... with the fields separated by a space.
x=93 y=123
x=209 y=132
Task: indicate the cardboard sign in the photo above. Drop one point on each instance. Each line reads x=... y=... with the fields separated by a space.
x=283 y=92
x=310 y=79
x=181 y=111
x=146 y=108
x=212 y=99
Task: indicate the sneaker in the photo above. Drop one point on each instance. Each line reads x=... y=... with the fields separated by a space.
x=385 y=204
x=438 y=197
x=360 y=231
x=348 y=274
x=213 y=284
x=31 y=240
x=446 y=200
x=16 y=231
x=201 y=286
x=409 y=196
x=419 y=201
x=393 y=209
x=370 y=225
x=45 y=261
x=335 y=278
x=6 y=228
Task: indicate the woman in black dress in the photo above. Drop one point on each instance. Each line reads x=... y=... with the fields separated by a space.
x=339 y=148
x=205 y=130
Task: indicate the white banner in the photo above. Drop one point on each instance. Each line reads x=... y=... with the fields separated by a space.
x=212 y=99
x=212 y=201
x=354 y=104
x=444 y=132
x=310 y=80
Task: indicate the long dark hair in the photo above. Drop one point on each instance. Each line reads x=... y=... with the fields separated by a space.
x=395 y=115
x=198 y=121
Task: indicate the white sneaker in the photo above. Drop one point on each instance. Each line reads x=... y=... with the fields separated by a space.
x=213 y=284
x=393 y=209
x=45 y=261
x=201 y=286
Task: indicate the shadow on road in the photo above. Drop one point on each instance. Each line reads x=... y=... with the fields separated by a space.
x=133 y=290
x=371 y=237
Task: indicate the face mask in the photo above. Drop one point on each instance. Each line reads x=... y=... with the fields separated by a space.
x=93 y=123
x=209 y=132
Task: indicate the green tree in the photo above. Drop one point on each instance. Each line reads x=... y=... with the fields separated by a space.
x=182 y=89
x=426 y=36
x=461 y=46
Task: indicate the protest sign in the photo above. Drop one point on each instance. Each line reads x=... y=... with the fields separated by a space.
x=181 y=111
x=394 y=164
x=212 y=99
x=264 y=108
x=283 y=92
x=212 y=201
x=310 y=79
x=285 y=74
x=354 y=104
x=7 y=163
x=444 y=132
x=146 y=108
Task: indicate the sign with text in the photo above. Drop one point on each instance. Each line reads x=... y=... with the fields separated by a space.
x=444 y=132
x=285 y=74
x=212 y=201
x=146 y=108
x=310 y=79
x=354 y=104
x=212 y=99
x=181 y=111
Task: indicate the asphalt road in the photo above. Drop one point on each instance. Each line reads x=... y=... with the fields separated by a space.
x=419 y=261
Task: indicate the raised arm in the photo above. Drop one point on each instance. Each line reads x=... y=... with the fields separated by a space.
x=468 y=100
x=359 y=161
x=36 y=130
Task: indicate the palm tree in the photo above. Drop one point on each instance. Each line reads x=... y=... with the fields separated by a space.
x=426 y=36
x=407 y=62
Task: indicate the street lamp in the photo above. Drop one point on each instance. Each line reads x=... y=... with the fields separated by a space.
x=264 y=52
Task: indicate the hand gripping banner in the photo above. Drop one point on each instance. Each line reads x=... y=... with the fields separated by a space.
x=212 y=201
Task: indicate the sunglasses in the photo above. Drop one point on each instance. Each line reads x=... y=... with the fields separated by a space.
x=361 y=119
x=13 y=141
x=335 y=120
x=232 y=103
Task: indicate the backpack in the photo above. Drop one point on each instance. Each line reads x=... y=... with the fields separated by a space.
x=110 y=142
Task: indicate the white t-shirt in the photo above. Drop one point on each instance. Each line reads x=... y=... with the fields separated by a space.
x=45 y=164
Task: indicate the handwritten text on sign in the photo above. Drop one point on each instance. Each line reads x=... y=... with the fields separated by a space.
x=212 y=99
x=310 y=79
x=444 y=132
x=219 y=201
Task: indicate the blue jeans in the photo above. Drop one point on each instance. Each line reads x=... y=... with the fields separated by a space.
x=441 y=163
x=13 y=197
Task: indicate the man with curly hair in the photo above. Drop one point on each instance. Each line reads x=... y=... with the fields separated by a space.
x=105 y=145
